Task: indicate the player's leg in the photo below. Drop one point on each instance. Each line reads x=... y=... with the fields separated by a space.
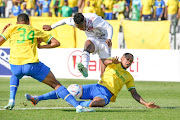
x=14 y=83
x=43 y=74
x=87 y=93
x=99 y=94
x=63 y=93
x=97 y=102
x=101 y=98
x=35 y=99
x=104 y=53
x=89 y=47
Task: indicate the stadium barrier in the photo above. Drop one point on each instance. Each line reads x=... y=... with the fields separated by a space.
x=146 y=35
x=148 y=65
x=138 y=35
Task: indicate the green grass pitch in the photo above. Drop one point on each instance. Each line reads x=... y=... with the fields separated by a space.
x=164 y=94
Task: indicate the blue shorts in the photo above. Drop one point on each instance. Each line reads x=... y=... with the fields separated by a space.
x=147 y=17
x=95 y=90
x=38 y=71
x=74 y=9
x=108 y=16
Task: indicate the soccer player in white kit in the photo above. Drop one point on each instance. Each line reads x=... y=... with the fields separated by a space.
x=99 y=35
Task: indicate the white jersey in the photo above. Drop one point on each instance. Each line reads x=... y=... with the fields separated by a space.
x=96 y=27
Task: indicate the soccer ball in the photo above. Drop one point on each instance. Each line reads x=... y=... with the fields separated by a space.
x=75 y=90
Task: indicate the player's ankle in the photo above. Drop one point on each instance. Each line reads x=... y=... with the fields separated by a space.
x=79 y=107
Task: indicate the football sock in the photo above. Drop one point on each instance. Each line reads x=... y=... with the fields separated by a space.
x=14 y=83
x=85 y=59
x=49 y=95
x=64 y=94
x=85 y=103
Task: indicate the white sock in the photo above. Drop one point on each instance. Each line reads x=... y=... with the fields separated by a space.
x=85 y=59
x=79 y=106
x=11 y=100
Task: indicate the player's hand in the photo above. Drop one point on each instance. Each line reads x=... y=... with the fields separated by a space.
x=152 y=105
x=108 y=42
x=47 y=27
x=6 y=27
x=115 y=60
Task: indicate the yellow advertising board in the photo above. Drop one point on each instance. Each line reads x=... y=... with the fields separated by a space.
x=146 y=35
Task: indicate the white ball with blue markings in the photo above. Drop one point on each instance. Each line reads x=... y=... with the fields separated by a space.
x=75 y=90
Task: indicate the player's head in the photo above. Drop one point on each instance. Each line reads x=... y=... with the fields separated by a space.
x=126 y=60
x=80 y=21
x=66 y=2
x=23 y=19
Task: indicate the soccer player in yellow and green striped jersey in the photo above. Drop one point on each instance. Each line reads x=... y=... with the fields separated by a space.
x=24 y=40
x=23 y=43
x=111 y=83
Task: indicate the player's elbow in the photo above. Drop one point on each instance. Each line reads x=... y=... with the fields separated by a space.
x=57 y=44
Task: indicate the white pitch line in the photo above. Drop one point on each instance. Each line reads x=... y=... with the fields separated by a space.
x=49 y=108
x=46 y=108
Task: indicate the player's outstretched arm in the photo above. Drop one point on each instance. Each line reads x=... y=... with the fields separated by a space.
x=59 y=23
x=138 y=98
x=52 y=44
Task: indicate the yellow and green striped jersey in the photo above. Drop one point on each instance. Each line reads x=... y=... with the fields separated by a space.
x=114 y=78
x=23 y=43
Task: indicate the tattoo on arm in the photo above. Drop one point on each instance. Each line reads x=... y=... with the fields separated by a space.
x=137 y=97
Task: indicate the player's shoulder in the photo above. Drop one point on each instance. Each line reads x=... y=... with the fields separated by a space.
x=12 y=27
x=69 y=21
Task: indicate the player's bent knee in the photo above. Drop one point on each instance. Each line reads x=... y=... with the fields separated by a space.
x=97 y=103
x=51 y=81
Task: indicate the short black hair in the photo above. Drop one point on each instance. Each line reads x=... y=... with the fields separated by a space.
x=78 y=18
x=23 y=17
x=126 y=54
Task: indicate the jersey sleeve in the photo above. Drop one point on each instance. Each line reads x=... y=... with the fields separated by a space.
x=7 y=33
x=68 y=21
x=130 y=84
x=46 y=38
x=163 y=4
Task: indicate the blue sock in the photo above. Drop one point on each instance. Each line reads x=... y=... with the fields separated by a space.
x=85 y=103
x=49 y=95
x=64 y=94
x=14 y=83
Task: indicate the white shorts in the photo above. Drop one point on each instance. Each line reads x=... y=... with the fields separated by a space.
x=101 y=48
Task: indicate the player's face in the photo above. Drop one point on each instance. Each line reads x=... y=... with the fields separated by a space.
x=22 y=22
x=82 y=26
x=126 y=61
